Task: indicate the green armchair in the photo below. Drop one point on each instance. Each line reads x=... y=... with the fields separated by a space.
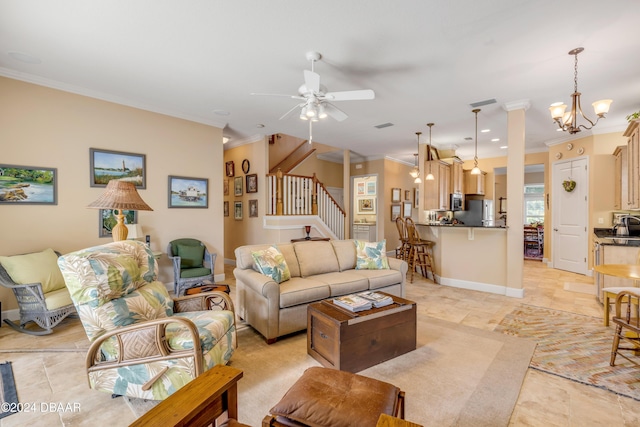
x=192 y=263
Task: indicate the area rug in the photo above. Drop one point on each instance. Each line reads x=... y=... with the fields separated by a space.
x=573 y=346
x=8 y=393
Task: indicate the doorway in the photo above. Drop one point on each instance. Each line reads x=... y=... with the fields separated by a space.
x=570 y=183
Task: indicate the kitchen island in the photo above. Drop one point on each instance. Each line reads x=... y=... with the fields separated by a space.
x=470 y=257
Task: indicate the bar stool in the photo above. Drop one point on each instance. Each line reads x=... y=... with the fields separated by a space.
x=402 y=250
x=420 y=252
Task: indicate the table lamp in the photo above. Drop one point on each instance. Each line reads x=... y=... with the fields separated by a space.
x=119 y=196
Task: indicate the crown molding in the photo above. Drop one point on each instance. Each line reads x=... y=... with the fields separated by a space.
x=522 y=104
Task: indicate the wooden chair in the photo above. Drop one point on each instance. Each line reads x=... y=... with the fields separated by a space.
x=420 y=252
x=627 y=326
x=532 y=243
x=402 y=250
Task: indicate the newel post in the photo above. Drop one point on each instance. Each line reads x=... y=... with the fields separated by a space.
x=314 y=195
x=279 y=206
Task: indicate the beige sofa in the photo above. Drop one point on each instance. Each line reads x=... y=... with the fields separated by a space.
x=319 y=270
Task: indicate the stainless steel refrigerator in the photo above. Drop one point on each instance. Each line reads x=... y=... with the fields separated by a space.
x=478 y=213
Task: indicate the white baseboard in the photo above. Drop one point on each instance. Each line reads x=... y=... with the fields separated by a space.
x=482 y=287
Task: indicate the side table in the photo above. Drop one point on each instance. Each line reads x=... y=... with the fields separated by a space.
x=222 y=287
x=312 y=239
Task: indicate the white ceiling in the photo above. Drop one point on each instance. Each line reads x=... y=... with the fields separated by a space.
x=426 y=60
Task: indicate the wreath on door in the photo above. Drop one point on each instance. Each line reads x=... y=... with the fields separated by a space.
x=569 y=185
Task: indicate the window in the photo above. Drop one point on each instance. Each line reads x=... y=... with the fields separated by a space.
x=533 y=203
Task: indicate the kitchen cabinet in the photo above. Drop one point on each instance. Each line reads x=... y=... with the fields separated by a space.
x=633 y=164
x=436 y=191
x=621 y=190
x=365 y=232
x=474 y=184
x=457 y=175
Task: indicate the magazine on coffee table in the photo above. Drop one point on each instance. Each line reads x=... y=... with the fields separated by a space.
x=378 y=300
x=353 y=303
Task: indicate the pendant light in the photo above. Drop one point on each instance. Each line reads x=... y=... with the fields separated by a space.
x=476 y=170
x=429 y=176
x=415 y=173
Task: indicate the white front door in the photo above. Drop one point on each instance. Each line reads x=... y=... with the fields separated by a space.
x=570 y=216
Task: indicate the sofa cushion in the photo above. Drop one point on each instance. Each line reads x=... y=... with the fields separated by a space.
x=346 y=253
x=271 y=262
x=302 y=291
x=38 y=267
x=244 y=259
x=371 y=255
x=190 y=256
x=343 y=283
x=380 y=278
x=316 y=258
x=290 y=257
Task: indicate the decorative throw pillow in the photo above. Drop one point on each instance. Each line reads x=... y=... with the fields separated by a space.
x=190 y=256
x=371 y=255
x=39 y=267
x=271 y=262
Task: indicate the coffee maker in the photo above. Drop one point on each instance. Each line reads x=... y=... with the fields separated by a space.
x=620 y=224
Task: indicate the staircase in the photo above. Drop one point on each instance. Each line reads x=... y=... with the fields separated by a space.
x=297 y=156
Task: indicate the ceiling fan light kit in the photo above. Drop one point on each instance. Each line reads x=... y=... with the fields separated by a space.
x=568 y=120
x=315 y=97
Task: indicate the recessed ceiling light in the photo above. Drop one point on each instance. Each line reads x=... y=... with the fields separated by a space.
x=25 y=57
x=504 y=147
x=221 y=112
x=495 y=140
x=485 y=130
x=225 y=139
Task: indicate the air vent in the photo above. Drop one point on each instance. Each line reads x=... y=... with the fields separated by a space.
x=468 y=138
x=384 y=125
x=481 y=103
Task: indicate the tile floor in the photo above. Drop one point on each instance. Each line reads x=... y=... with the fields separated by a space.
x=50 y=369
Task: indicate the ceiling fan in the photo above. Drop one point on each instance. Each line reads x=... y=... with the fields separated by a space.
x=315 y=98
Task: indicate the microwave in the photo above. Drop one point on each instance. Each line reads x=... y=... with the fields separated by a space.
x=456 y=202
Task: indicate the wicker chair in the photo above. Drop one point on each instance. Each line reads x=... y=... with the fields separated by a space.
x=143 y=343
x=41 y=294
x=190 y=258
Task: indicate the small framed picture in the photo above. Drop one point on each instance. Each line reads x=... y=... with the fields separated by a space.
x=416 y=198
x=407 y=195
x=396 y=210
x=367 y=206
x=106 y=165
x=225 y=187
x=106 y=220
x=371 y=188
x=26 y=185
x=237 y=186
x=187 y=192
x=253 y=208
x=395 y=195
x=252 y=183
x=360 y=189
x=237 y=210
x=406 y=209
x=230 y=168
x=226 y=208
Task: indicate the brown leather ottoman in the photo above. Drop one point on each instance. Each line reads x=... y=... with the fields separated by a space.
x=328 y=397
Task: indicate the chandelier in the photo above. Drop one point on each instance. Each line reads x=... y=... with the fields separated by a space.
x=415 y=173
x=429 y=176
x=568 y=121
x=476 y=170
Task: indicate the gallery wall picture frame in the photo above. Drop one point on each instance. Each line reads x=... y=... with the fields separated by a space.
x=367 y=205
x=371 y=188
x=226 y=208
x=107 y=220
x=396 y=195
x=237 y=210
x=225 y=187
x=230 y=168
x=106 y=165
x=406 y=209
x=252 y=183
x=188 y=192
x=253 y=208
x=237 y=186
x=28 y=185
x=396 y=210
x=246 y=166
x=361 y=189
x=407 y=195
x=416 y=198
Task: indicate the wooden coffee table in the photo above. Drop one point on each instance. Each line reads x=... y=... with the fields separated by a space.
x=340 y=339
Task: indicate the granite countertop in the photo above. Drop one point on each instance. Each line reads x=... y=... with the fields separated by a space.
x=498 y=227
x=606 y=236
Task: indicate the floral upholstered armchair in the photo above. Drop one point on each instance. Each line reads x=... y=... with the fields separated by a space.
x=143 y=343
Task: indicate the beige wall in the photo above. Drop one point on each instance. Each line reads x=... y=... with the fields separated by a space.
x=329 y=173
x=396 y=175
x=246 y=231
x=45 y=127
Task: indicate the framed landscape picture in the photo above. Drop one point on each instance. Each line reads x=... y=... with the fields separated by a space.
x=367 y=205
x=395 y=195
x=406 y=209
x=185 y=192
x=237 y=210
x=106 y=165
x=396 y=210
x=27 y=185
x=106 y=220
x=253 y=208
x=237 y=186
x=252 y=183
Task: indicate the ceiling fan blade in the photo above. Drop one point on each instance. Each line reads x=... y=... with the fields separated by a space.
x=278 y=94
x=351 y=95
x=285 y=115
x=312 y=81
x=334 y=112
